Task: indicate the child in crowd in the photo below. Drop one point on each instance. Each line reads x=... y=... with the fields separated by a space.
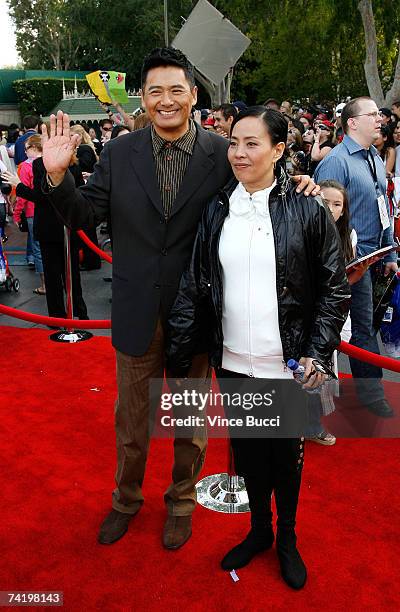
x=336 y=198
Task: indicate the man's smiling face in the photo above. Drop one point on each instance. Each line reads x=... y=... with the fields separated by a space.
x=168 y=100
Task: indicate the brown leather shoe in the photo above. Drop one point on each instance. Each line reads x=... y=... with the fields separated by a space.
x=177 y=531
x=114 y=526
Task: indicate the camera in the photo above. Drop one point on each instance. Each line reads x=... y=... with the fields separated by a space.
x=302 y=161
x=5 y=188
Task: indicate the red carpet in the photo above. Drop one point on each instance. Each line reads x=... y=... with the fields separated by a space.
x=57 y=463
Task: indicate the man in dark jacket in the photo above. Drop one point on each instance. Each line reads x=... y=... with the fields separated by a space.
x=154 y=184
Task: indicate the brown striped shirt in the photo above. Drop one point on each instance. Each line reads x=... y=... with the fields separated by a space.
x=172 y=159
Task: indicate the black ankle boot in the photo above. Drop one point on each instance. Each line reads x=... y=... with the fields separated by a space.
x=293 y=570
x=256 y=541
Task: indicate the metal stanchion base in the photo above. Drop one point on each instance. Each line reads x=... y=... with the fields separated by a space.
x=76 y=335
x=223 y=493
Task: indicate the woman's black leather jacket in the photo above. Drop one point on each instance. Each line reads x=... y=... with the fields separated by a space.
x=312 y=289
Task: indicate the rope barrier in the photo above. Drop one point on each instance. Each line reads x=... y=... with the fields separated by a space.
x=92 y=246
x=54 y=321
x=388 y=363
x=362 y=355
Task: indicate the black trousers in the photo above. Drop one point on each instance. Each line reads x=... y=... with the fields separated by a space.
x=54 y=275
x=90 y=259
x=268 y=465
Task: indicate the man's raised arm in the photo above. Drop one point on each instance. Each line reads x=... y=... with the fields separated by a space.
x=77 y=207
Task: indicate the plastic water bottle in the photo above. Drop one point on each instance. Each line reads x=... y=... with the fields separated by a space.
x=298 y=373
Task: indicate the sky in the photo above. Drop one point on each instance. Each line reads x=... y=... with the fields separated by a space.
x=8 y=53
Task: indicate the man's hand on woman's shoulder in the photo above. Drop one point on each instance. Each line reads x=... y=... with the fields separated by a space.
x=306 y=184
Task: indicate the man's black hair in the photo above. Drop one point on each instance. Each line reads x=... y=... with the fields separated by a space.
x=167 y=56
x=117 y=129
x=228 y=110
x=103 y=121
x=29 y=122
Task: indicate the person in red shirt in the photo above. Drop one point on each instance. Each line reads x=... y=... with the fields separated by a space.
x=33 y=149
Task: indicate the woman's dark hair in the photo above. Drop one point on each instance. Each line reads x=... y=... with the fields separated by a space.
x=167 y=56
x=299 y=125
x=275 y=124
x=343 y=223
x=117 y=129
x=12 y=134
x=388 y=143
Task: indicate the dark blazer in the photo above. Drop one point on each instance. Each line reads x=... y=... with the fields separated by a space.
x=149 y=253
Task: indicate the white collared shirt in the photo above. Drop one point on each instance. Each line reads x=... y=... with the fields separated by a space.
x=252 y=342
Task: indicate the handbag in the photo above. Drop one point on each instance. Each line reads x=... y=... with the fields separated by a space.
x=23 y=224
x=383 y=288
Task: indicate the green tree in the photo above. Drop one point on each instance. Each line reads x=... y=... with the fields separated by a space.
x=51 y=33
x=381 y=23
x=300 y=48
x=92 y=34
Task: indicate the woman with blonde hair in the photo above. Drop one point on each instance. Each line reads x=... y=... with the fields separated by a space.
x=86 y=151
x=141 y=121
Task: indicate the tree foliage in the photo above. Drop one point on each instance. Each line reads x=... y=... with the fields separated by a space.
x=40 y=96
x=300 y=48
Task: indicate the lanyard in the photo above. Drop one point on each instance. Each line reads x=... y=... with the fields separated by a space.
x=372 y=168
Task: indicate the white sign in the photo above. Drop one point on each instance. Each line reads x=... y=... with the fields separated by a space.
x=211 y=42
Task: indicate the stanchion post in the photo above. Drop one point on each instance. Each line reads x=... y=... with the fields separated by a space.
x=225 y=492
x=70 y=335
x=68 y=275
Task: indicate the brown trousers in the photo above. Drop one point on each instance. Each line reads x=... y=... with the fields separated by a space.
x=133 y=413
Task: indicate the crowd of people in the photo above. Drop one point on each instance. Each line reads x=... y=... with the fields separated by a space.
x=264 y=275
x=313 y=131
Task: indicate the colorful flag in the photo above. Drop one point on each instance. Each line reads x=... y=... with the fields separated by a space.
x=108 y=86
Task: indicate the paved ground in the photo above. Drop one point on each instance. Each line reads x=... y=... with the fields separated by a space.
x=96 y=293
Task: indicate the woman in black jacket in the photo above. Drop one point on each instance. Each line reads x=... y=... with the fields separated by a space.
x=87 y=158
x=266 y=284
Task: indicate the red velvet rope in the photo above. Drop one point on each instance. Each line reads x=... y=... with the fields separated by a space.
x=349 y=349
x=92 y=246
x=377 y=360
x=55 y=321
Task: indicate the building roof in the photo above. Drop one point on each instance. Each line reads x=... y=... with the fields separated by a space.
x=87 y=107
